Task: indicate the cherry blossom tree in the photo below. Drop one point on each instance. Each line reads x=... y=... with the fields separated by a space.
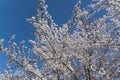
x=85 y=48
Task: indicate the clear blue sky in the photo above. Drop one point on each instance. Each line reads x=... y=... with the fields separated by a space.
x=14 y=12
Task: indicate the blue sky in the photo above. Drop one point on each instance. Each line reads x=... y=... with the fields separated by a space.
x=13 y=14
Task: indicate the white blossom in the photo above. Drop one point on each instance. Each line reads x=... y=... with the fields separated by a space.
x=84 y=48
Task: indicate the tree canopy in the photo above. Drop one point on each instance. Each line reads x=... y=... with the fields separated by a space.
x=85 y=48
